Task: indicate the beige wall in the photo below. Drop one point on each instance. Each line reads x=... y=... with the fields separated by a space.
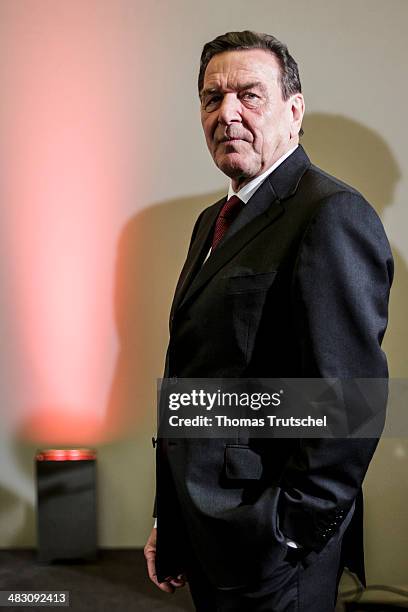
x=352 y=57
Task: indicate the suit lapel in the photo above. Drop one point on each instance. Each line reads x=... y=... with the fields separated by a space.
x=263 y=208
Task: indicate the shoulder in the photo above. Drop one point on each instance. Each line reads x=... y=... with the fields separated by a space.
x=337 y=203
x=326 y=183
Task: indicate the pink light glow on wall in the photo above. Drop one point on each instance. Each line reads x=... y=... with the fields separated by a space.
x=62 y=128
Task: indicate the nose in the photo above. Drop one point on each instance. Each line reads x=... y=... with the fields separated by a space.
x=230 y=109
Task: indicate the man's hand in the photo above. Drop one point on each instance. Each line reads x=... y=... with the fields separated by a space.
x=171 y=583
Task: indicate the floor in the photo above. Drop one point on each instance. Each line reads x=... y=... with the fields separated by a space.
x=116 y=581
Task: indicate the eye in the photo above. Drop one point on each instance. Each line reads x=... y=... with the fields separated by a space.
x=212 y=102
x=250 y=99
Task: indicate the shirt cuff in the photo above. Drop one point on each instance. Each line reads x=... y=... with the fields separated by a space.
x=292 y=544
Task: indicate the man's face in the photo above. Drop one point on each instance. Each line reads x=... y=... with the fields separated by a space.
x=246 y=122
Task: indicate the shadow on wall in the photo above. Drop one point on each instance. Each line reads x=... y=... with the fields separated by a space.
x=151 y=251
x=355 y=154
x=359 y=156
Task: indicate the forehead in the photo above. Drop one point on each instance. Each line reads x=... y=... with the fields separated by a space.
x=231 y=69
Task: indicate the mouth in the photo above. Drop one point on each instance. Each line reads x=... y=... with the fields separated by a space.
x=228 y=140
x=231 y=144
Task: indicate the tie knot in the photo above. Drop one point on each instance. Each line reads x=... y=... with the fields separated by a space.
x=231 y=207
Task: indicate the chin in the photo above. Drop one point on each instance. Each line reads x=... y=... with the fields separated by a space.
x=233 y=168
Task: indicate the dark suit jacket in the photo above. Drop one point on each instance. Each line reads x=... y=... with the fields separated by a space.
x=298 y=287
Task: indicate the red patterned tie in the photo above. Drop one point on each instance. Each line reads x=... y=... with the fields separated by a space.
x=227 y=214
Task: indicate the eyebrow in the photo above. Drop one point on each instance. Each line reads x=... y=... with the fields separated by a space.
x=253 y=84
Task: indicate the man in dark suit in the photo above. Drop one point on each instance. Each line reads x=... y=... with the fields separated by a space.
x=287 y=277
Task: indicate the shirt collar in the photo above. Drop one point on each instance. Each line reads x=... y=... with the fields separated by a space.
x=248 y=190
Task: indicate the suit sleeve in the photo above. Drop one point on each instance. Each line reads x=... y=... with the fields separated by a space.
x=340 y=292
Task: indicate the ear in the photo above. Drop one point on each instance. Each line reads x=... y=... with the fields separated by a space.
x=297 y=110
